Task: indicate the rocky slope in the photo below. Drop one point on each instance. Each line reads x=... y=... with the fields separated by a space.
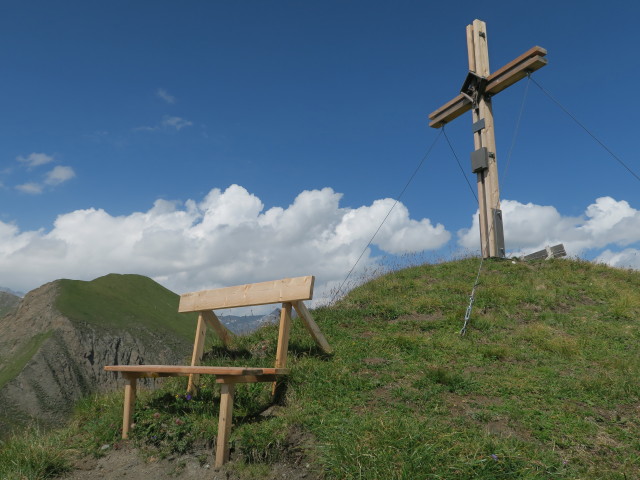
x=48 y=361
x=8 y=302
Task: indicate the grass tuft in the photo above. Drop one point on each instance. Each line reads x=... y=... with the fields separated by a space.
x=33 y=455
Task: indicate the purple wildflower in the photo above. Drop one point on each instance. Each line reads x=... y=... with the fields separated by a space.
x=494 y=456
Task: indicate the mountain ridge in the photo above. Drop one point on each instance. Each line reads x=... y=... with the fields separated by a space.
x=59 y=337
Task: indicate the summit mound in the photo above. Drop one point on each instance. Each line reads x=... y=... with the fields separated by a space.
x=543 y=385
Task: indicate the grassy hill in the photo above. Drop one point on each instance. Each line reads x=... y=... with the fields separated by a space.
x=112 y=302
x=124 y=301
x=544 y=384
x=47 y=362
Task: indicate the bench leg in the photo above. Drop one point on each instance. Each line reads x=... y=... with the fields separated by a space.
x=129 y=402
x=224 y=423
x=283 y=340
x=196 y=357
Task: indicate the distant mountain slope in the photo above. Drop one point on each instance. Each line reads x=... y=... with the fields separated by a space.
x=8 y=302
x=242 y=325
x=54 y=345
x=12 y=292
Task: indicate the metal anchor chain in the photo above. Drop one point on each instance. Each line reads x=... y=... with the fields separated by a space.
x=472 y=299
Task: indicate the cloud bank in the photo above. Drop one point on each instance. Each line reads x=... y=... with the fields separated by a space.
x=226 y=238
x=529 y=227
x=229 y=238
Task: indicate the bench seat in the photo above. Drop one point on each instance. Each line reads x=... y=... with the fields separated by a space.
x=184 y=370
x=226 y=376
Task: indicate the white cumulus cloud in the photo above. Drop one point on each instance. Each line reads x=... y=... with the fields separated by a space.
x=226 y=238
x=627 y=258
x=164 y=95
x=58 y=175
x=35 y=159
x=175 y=122
x=168 y=122
x=529 y=227
x=31 y=188
x=52 y=178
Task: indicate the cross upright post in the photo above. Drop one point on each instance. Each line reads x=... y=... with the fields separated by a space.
x=475 y=95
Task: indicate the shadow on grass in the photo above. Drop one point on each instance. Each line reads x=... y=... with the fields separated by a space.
x=300 y=350
x=217 y=352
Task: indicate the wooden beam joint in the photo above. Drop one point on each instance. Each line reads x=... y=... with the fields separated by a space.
x=516 y=70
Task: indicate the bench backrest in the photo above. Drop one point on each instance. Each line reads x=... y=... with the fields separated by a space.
x=276 y=291
x=291 y=292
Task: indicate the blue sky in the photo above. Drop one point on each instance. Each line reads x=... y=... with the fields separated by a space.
x=211 y=143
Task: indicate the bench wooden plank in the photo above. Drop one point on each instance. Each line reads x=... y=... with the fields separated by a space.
x=187 y=370
x=245 y=378
x=276 y=291
x=129 y=405
x=226 y=376
x=224 y=334
x=198 y=349
x=153 y=375
x=312 y=327
x=283 y=336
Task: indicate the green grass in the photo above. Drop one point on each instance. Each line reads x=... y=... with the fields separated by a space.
x=544 y=384
x=122 y=301
x=17 y=363
x=33 y=455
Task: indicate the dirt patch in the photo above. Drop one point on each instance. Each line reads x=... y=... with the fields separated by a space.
x=504 y=428
x=375 y=361
x=474 y=369
x=133 y=464
x=584 y=300
x=384 y=395
x=533 y=307
x=469 y=404
x=419 y=317
x=365 y=372
x=474 y=407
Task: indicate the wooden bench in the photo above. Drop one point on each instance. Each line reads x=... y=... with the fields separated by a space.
x=292 y=292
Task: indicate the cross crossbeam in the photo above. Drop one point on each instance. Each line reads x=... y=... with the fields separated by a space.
x=476 y=95
x=514 y=71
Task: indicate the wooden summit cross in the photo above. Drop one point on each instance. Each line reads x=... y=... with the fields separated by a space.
x=475 y=95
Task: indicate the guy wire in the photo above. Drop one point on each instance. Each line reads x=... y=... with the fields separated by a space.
x=335 y=295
